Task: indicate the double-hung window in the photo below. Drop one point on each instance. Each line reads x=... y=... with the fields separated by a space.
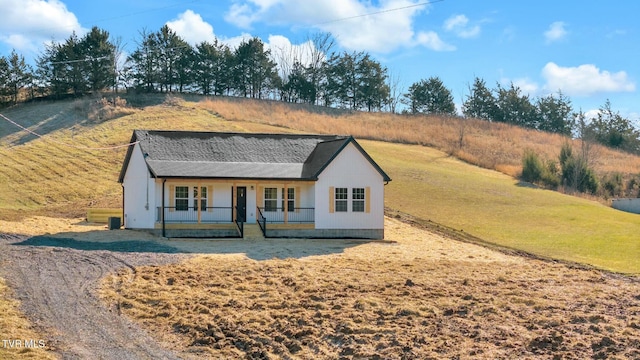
x=291 y=199
x=270 y=199
x=203 y=198
x=182 y=198
x=342 y=195
x=357 y=199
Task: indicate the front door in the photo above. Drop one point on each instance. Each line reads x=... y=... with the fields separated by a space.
x=241 y=198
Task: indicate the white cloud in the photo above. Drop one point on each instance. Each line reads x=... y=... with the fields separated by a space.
x=20 y=42
x=556 y=32
x=27 y=24
x=240 y=15
x=432 y=41
x=281 y=46
x=192 y=28
x=527 y=86
x=235 y=41
x=617 y=33
x=382 y=27
x=459 y=25
x=585 y=80
x=285 y=53
x=591 y=114
x=509 y=34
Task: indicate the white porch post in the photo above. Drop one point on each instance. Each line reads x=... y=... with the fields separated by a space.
x=285 y=196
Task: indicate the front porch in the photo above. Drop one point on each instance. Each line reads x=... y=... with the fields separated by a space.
x=203 y=222
x=219 y=208
x=225 y=222
x=286 y=222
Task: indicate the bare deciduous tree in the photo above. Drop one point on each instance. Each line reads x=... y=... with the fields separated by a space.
x=395 y=92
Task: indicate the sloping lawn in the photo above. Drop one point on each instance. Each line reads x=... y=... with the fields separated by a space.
x=433 y=186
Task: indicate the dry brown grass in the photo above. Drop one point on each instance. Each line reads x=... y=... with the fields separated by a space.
x=420 y=298
x=15 y=327
x=47 y=177
x=495 y=146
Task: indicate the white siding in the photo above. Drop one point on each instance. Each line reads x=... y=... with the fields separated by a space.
x=219 y=192
x=303 y=201
x=350 y=170
x=139 y=190
x=251 y=204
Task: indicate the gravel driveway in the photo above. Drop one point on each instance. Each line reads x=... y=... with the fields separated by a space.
x=56 y=286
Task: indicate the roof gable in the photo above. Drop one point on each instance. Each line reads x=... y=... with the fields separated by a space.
x=328 y=151
x=188 y=154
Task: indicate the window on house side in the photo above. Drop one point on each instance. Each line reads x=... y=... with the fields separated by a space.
x=182 y=198
x=291 y=199
x=203 y=198
x=270 y=199
x=357 y=197
x=342 y=195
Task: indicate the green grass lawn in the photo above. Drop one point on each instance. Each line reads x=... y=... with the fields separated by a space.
x=498 y=209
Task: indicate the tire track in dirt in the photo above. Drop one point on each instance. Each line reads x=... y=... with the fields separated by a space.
x=57 y=290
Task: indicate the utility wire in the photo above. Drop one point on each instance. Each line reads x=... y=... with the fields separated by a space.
x=63 y=143
x=380 y=12
x=79 y=60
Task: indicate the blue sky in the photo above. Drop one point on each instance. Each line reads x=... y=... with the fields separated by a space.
x=588 y=49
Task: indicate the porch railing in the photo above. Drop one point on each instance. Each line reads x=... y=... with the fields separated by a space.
x=191 y=215
x=293 y=216
x=262 y=222
x=239 y=225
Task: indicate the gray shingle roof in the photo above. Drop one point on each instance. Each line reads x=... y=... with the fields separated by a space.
x=188 y=154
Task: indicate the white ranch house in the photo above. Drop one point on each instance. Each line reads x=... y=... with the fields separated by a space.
x=209 y=184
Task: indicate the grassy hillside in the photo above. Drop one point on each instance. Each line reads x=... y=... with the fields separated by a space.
x=57 y=175
x=41 y=176
x=495 y=146
x=497 y=208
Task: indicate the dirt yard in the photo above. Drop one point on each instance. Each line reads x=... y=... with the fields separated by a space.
x=418 y=295
x=421 y=296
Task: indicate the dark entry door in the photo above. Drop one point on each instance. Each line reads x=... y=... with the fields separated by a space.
x=241 y=198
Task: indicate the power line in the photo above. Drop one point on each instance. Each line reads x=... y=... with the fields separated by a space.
x=80 y=60
x=63 y=143
x=380 y=12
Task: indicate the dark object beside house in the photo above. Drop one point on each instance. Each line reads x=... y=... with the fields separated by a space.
x=114 y=223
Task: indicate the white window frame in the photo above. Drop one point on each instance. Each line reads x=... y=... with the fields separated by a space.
x=272 y=200
x=358 y=199
x=341 y=199
x=182 y=200
x=203 y=198
x=291 y=198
